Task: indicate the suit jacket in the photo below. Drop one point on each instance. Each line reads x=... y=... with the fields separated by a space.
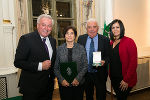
x=29 y=53
x=78 y=56
x=103 y=46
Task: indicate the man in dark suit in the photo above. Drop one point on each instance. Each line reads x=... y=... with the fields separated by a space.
x=36 y=59
x=95 y=77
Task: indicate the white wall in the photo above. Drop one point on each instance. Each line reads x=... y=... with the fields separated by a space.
x=135 y=15
x=7 y=33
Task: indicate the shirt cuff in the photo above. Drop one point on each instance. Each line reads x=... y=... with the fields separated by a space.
x=40 y=66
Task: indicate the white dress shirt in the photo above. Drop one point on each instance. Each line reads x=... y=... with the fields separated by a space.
x=50 y=50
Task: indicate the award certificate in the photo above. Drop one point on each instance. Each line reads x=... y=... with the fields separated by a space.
x=68 y=70
x=97 y=58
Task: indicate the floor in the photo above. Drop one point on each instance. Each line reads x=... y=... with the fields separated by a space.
x=139 y=95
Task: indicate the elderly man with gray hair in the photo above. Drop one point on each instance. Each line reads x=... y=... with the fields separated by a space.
x=35 y=56
x=96 y=75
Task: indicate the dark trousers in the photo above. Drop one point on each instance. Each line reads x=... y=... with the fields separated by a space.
x=71 y=93
x=37 y=96
x=121 y=95
x=98 y=81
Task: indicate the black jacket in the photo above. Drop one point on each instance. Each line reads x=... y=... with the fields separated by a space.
x=29 y=53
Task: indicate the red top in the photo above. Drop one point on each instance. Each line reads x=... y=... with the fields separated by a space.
x=128 y=58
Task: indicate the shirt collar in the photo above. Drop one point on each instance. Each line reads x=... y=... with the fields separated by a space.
x=43 y=37
x=94 y=37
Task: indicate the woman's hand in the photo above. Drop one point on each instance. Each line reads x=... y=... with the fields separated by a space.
x=75 y=82
x=123 y=85
x=65 y=83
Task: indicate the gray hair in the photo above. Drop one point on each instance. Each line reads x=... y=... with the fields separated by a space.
x=44 y=16
x=91 y=20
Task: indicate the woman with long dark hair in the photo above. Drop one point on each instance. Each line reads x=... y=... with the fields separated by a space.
x=123 y=60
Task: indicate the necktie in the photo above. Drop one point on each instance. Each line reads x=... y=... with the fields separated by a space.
x=44 y=39
x=90 y=69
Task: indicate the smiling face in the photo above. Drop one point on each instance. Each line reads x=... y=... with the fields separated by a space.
x=92 y=29
x=70 y=36
x=116 y=30
x=44 y=26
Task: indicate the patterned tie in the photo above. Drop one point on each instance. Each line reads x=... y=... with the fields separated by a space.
x=44 y=39
x=90 y=68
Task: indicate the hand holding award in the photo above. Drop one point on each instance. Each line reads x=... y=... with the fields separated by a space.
x=97 y=59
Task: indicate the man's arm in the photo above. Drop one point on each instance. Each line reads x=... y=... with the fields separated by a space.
x=22 y=54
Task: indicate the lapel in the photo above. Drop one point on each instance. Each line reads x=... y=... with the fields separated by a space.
x=53 y=45
x=100 y=42
x=51 y=42
x=85 y=39
x=39 y=43
x=39 y=40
